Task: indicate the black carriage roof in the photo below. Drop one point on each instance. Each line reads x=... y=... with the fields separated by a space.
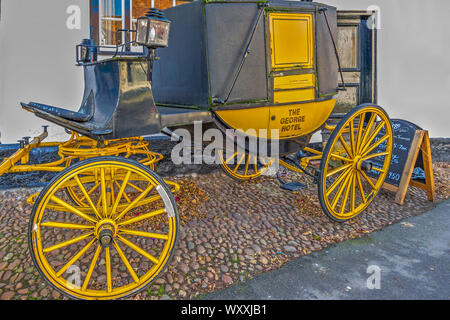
x=294 y=4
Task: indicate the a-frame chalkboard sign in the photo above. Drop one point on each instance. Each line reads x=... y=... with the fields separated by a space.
x=411 y=162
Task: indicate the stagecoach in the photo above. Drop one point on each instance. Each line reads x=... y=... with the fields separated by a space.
x=106 y=225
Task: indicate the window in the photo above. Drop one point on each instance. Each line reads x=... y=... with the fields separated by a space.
x=107 y=16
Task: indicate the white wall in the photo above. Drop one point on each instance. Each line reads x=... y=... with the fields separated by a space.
x=413 y=60
x=37 y=63
x=37 y=57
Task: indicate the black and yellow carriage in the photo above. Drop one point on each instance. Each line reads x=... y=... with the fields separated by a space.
x=106 y=225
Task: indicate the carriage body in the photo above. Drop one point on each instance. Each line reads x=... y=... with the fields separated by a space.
x=254 y=65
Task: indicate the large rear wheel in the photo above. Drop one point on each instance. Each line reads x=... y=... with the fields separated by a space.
x=355 y=162
x=113 y=243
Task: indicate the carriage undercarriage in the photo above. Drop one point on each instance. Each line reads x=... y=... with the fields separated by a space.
x=104 y=193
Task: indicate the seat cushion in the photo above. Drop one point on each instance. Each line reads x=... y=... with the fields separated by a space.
x=60 y=112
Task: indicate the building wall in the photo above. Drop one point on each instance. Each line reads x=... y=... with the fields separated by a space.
x=37 y=61
x=413 y=60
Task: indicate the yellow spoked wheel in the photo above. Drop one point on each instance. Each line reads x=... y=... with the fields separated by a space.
x=112 y=244
x=355 y=162
x=243 y=166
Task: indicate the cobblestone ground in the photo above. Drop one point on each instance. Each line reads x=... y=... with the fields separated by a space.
x=231 y=232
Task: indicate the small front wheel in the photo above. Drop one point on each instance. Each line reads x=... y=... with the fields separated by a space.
x=243 y=166
x=114 y=242
x=355 y=162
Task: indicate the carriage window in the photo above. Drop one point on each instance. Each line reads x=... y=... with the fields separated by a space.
x=120 y=14
x=111 y=19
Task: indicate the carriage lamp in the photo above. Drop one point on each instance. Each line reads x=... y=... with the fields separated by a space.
x=153 y=29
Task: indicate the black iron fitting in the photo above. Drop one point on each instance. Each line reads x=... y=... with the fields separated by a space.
x=244 y=57
x=324 y=10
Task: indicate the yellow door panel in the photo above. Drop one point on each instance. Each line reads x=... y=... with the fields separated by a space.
x=295 y=81
x=300 y=119
x=294 y=95
x=291 y=39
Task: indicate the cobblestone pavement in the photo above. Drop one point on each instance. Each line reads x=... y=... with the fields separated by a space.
x=234 y=232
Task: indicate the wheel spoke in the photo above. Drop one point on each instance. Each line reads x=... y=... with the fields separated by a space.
x=61 y=225
x=142 y=217
x=352 y=195
x=376 y=144
x=375 y=155
x=352 y=138
x=239 y=163
x=247 y=162
x=68 y=242
x=121 y=192
x=339 y=192
x=373 y=136
x=133 y=204
x=135 y=187
x=230 y=158
x=103 y=192
x=367 y=131
x=108 y=270
x=86 y=196
x=111 y=187
x=360 y=187
x=72 y=209
x=145 y=234
x=124 y=193
x=360 y=131
x=378 y=169
x=90 y=191
x=138 y=249
x=347 y=191
x=91 y=268
x=339 y=169
x=125 y=261
x=333 y=155
x=75 y=258
x=338 y=181
x=368 y=180
x=346 y=147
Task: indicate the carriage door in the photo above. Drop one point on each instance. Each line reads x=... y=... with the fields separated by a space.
x=292 y=59
x=357 y=51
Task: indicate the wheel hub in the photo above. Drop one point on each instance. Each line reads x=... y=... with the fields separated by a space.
x=361 y=165
x=105 y=232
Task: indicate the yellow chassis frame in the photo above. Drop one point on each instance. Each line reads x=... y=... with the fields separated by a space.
x=68 y=151
x=305 y=161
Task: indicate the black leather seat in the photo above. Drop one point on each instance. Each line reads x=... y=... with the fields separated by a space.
x=117 y=102
x=59 y=112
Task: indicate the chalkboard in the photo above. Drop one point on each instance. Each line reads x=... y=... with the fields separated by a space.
x=404 y=132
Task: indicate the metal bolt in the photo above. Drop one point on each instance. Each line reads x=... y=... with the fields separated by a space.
x=45 y=129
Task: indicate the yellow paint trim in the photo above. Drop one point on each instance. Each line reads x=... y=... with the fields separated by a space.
x=250 y=121
x=300 y=119
x=294 y=96
x=296 y=81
